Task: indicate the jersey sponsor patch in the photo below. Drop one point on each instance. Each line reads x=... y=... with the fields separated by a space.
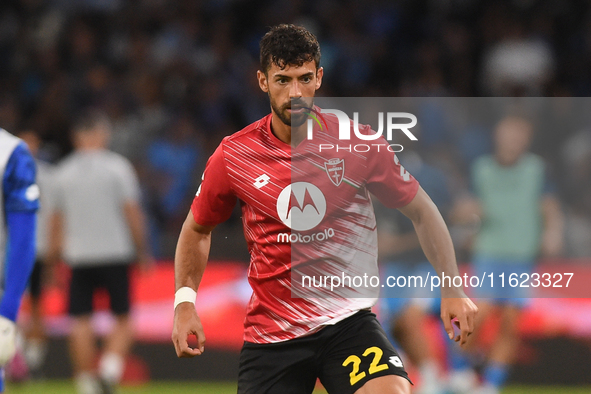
x=301 y=206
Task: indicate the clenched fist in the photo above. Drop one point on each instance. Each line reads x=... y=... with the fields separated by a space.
x=186 y=323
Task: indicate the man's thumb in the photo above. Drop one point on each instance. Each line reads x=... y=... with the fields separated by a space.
x=448 y=328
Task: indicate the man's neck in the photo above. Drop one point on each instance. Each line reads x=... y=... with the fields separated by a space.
x=280 y=129
x=90 y=148
x=285 y=133
x=507 y=162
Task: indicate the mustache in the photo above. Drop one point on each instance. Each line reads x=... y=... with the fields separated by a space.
x=297 y=104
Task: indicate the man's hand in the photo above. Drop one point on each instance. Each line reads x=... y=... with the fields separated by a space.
x=552 y=243
x=186 y=322
x=462 y=309
x=7 y=340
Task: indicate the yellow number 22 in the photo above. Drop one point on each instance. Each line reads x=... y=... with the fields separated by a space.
x=374 y=367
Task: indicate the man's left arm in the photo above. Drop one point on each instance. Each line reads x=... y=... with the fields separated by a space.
x=437 y=245
x=134 y=214
x=552 y=237
x=136 y=222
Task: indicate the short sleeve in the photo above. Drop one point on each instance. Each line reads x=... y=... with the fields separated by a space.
x=57 y=189
x=47 y=186
x=21 y=193
x=388 y=180
x=215 y=200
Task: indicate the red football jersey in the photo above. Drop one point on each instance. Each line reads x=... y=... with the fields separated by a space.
x=300 y=205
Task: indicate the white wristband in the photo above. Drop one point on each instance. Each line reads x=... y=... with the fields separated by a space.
x=184 y=294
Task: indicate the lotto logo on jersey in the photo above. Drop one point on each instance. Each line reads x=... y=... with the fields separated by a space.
x=301 y=206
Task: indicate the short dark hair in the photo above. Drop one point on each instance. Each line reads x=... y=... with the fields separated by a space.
x=288 y=45
x=89 y=119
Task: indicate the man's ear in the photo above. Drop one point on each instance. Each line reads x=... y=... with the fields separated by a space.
x=319 y=74
x=263 y=81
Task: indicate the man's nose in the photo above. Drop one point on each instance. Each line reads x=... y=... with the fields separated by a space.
x=295 y=90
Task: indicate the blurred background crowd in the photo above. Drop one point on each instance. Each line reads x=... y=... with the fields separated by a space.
x=176 y=77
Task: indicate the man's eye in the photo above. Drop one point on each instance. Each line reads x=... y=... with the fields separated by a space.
x=306 y=79
x=282 y=81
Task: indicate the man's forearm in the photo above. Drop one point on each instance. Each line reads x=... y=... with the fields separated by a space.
x=136 y=222
x=55 y=238
x=552 y=238
x=437 y=244
x=433 y=234
x=191 y=254
x=552 y=213
x=189 y=264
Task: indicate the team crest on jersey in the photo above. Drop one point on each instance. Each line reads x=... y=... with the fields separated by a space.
x=335 y=168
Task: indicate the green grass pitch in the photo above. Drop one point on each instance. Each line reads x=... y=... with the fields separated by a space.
x=66 y=387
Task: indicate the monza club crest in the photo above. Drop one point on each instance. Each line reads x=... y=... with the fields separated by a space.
x=335 y=168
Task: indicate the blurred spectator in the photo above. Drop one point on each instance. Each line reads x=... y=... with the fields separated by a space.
x=576 y=154
x=96 y=223
x=521 y=219
x=518 y=67
x=173 y=161
x=19 y=204
x=518 y=63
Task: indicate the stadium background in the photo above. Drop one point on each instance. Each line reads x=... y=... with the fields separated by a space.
x=176 y=77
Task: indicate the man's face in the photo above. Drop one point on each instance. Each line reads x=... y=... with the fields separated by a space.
x=291 y=90
x=97 y=136
x=512 y=139
x=32 y=140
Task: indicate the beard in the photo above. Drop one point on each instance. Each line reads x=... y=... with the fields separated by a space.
x=288 y=118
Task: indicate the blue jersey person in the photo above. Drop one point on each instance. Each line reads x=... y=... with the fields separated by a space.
x=19 y=202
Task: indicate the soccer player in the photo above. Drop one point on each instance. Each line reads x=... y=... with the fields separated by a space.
x=98 y=225
x=19 y=202
x=290 y=342
x=521 y=219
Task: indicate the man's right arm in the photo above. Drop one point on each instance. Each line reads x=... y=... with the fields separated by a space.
x=212 y=205
x=189 y=264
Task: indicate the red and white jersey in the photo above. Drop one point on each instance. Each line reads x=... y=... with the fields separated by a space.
x=300 y=205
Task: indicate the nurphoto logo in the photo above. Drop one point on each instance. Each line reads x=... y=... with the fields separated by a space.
x=344 y=122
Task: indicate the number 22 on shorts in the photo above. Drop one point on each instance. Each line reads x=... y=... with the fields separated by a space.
x=355 y=375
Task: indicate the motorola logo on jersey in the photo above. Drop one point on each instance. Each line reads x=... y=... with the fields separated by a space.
x=301 y=206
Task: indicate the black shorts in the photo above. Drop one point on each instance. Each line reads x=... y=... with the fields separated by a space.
x=343 y=356
x=114 y=278
x=35 y=281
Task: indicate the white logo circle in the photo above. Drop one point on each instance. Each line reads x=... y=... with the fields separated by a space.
x=301 y=206
x=32 y=193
